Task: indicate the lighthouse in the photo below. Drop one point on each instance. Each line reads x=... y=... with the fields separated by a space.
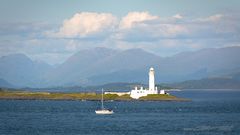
x=137 y=93
x=151 y=79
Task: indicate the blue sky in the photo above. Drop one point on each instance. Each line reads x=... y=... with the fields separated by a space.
x=53 y=30
x=58 y=10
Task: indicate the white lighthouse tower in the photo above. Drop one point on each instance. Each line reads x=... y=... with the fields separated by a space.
x=151 y=79
x=152 y=88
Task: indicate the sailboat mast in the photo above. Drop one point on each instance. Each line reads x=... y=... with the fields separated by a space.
x=102 y=98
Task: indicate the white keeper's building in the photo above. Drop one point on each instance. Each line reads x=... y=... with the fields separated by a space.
x=137 y=93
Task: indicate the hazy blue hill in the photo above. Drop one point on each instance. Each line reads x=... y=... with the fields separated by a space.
x=117 y=86
x=200 y=64
x=5 y=84
x=126 y=66
x=129 y=59
x=120 y=76
x=20 y=70
x=102 y=65
x=120 y=86
x=231 y=82
x=74 y=69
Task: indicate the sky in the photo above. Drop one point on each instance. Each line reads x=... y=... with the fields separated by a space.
x=53 y=30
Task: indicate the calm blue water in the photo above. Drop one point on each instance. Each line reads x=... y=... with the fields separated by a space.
x=210 y=113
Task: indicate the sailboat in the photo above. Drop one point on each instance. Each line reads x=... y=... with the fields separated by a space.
x=103 y=110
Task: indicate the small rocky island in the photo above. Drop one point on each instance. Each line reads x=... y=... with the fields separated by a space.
x=25 y=95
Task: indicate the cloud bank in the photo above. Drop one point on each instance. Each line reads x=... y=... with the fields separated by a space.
x=133 y=18
x=86 y=23
x=143 y=26
x=162 y=35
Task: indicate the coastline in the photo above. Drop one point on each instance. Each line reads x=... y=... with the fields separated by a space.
x=23 y=95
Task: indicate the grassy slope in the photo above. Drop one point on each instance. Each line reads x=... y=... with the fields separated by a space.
x=78 y=96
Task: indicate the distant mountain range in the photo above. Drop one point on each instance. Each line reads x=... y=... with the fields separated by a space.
x=208 y=83
x=5 y=84
x=19 y=70
x=99 y=66
x=232 y=82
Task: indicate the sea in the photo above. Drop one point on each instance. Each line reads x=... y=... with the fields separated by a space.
x=210 y=112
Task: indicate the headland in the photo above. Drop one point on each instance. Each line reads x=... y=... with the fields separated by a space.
x=88 y=96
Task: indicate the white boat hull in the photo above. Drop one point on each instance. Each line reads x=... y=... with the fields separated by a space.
x=105 y=111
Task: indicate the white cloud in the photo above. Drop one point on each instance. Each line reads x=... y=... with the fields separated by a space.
x=139 y=26
x=152 y=32
x=178 y=16
x=173 y=29
x=86 y=23
x=142 y=26
x=135 y=17
x=213 y=18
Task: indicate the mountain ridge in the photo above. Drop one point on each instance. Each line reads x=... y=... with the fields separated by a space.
x=5 y=84
x=103 y=65
x=19 y=70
